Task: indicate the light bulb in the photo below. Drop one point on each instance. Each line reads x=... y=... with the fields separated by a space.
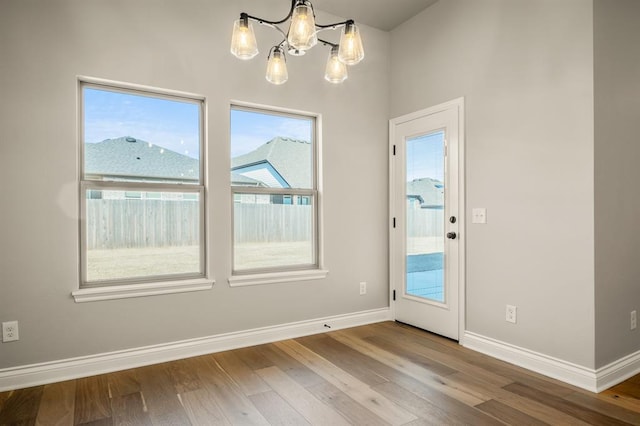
x=243 y=40
x=336 y=71
x=277 y=67
x=302 y=32
x=351 y=51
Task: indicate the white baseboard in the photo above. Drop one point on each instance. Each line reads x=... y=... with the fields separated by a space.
x=56 y=371
x=617 y=371
x=577 y=375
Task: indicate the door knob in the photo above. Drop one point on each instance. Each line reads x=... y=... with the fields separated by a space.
x=451 y=235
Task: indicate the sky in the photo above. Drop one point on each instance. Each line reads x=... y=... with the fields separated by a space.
x=251 y=129
x=167 y=123
x=425 y=157
x=174 y=124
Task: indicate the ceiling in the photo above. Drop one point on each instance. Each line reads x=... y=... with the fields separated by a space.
x=382 y=14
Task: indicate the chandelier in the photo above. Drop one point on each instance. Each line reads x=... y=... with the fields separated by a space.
x=301 y=36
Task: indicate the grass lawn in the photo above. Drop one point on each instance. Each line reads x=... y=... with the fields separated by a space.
x=110 y=264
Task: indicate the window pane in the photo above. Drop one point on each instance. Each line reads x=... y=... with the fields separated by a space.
x=271 y=232
x=134 y=137
x=157 y=233
x=270 y=150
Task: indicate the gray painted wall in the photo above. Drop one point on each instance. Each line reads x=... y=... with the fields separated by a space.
x=182 y=46
x=525 y=69
x=526 y=72
x=617 y=175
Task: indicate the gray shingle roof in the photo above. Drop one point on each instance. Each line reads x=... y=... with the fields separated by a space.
x=238 y=179
x=430 y=190
x=292 y=158
x=130 y=157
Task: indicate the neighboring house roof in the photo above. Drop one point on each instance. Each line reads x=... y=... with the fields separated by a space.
x=281 y=162
x=242 y=180
x=417 y=198
x=129 y=157
x=430 y=190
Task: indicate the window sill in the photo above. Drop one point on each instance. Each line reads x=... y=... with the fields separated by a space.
x=141 y=290
x=277 y=277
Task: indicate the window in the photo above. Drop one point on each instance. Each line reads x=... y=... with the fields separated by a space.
x=142 y=189
x=274 y=188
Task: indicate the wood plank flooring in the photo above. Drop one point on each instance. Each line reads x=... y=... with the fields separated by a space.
x=379 y=374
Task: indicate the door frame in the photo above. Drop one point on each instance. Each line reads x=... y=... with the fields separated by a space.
x=394 y=265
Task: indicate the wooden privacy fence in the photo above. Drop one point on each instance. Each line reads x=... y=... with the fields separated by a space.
x=113 y=224
x=425 y=222
x=272 y=223
x=156 y=223
x=134 y=223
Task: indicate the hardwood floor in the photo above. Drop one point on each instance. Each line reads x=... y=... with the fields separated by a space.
x=379 y=374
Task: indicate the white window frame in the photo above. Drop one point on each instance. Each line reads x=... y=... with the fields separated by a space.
x=280 y=274
x=154 y=284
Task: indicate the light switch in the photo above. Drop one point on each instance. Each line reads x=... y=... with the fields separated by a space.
x=479 y=215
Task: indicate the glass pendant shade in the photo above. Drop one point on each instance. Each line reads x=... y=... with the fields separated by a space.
x=336 y=71
x=351 y=51
x=302 y=32
x=277 y=67
x=300 y=37
x=243 y=40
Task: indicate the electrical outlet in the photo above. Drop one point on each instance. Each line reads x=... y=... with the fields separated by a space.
x=10 y=331
x=512 y=312
x=363 y=288
x=634 y=320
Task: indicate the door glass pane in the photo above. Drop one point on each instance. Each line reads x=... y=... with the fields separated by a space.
x=425 y=216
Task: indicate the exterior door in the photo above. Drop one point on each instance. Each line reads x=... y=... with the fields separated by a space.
x=427 y=228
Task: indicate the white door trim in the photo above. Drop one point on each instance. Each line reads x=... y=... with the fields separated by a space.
x=393 y=262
